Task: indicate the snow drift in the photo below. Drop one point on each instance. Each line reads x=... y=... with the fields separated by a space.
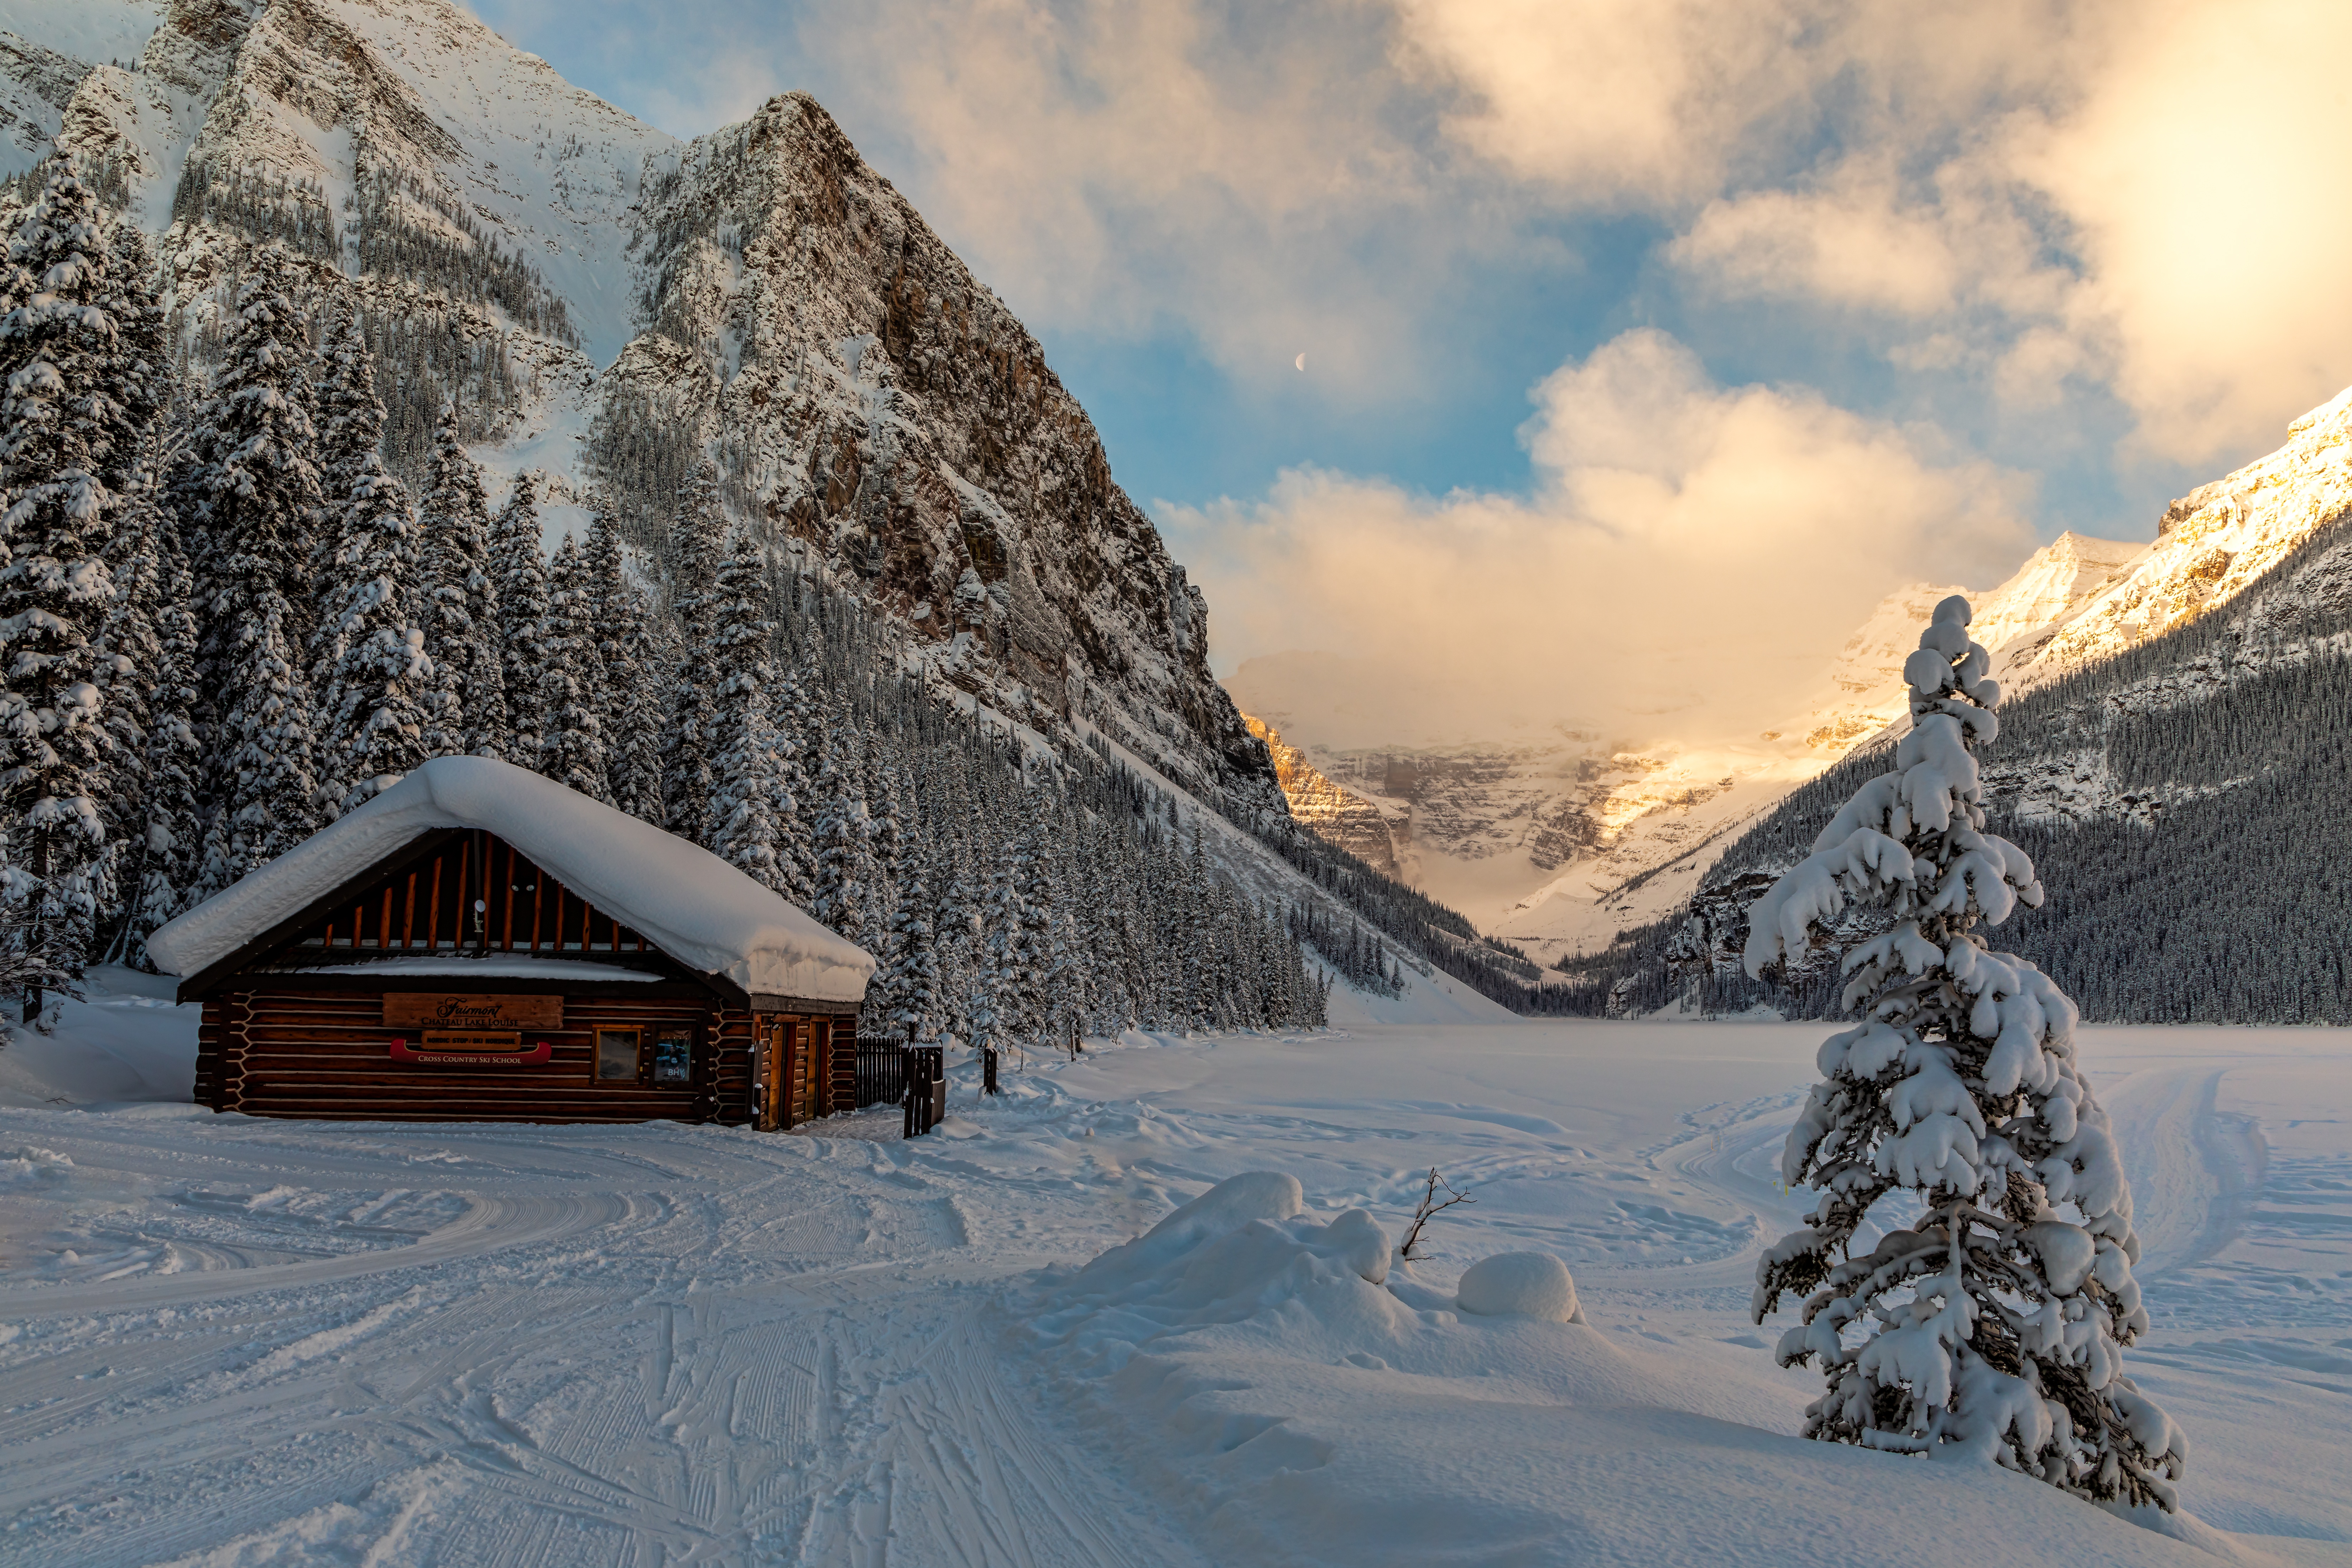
x=687 y=902
x=1271 y=1375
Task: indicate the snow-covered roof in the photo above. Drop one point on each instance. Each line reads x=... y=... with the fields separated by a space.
x=686 y=901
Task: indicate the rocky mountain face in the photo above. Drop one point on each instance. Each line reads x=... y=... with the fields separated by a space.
x=608 y=305
x=1342 y=817
x=886 y=414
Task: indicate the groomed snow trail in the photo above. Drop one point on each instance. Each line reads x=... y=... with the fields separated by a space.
x=649 y=1345
x=227 y=1341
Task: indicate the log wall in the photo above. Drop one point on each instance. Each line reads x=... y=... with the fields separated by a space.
x=327 y=1053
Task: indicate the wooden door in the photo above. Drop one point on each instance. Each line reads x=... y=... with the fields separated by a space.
x=801 y=1076
x=771 y=1039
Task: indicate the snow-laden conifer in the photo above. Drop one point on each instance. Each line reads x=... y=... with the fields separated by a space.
x=140 y=373
x=571 y=749
x=57 y=355
x=846 y=872
x=739 y=630
x=253 y=480
x=997 y=979
x=171 y=820
x=907 y=988
x=1033 y=915
x=1995 y=1321
x=689 y=779
x=634 y=647
x=747 y=835
x=956 y=937
x=130 y=677
x=266 y=794
x=801 y=735
x=377 y=699
x=350 y=415
x=469 y=708
x=636 y=689
x=520 y=567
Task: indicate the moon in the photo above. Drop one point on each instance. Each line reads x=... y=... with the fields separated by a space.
x=1302 y=362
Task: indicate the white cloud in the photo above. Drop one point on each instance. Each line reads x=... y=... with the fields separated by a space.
x=2201 y=168
x=1630 y=104
x=1258 y=175
x=2134 y=195
x=1689 y=560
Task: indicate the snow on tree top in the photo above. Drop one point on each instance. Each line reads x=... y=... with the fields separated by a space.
x=687 y=902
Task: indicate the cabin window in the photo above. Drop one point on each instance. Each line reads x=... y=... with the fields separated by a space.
x=673 y=1060
x=616 y=1055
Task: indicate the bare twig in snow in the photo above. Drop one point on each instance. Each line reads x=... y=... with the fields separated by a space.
x=1430 y=1208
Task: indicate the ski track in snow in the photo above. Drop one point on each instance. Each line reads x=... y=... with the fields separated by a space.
x=228 y=1341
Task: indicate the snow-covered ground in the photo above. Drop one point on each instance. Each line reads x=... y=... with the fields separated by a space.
x=228 y=1341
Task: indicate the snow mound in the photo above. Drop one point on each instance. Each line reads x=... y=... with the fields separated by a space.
x=1520 y=1285
x=1223 y=1258
x=34 y=1163
x=688 y=903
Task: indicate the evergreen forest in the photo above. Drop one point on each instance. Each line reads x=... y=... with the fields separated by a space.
x=237 y=605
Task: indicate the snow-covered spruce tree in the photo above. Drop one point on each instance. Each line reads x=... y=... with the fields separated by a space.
x=740 y=635
x=131 y=677
x=799 y=735
x=140 y=372
x=172 y=823
x=253 y=482
x=349 y=419
x=749 y=795
x=886 y=836
x=1994 y=1321
x=521 y=568
x=997 y=979
x=267 y=787
x=846 y=872
x=469 y=708
x=633 y=699
x=908 y=989
x=697 y=543
x=380 y=687
x=571 y=749
x=1032 y=941
x=956 y=938
x=634 y=690
x=56 y=354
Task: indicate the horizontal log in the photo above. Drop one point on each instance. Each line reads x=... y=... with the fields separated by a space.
x=516 y=1116
x=457 y=1098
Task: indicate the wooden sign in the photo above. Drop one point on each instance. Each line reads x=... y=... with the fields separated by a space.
x=472 y=1040
x=430 y=1010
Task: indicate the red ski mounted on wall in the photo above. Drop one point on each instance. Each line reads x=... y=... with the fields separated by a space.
x=538 y=1055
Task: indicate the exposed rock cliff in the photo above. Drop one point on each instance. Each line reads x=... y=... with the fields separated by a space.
x=884 y=411
x=1341 y=816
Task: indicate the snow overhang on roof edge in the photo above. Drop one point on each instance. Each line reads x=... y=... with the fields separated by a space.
x=686 y=901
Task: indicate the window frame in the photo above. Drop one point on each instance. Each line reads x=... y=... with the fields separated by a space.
x=597 y=1057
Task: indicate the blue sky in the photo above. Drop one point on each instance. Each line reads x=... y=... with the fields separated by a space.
x=1708 y=298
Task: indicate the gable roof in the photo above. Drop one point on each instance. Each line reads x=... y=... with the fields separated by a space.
x=687 y=902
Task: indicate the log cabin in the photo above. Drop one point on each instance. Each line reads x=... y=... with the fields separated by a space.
x=478 y=942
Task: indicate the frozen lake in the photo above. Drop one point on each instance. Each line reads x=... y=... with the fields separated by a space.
x=228 y=1341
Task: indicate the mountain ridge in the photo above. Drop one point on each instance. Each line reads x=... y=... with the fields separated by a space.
x=576 y=282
